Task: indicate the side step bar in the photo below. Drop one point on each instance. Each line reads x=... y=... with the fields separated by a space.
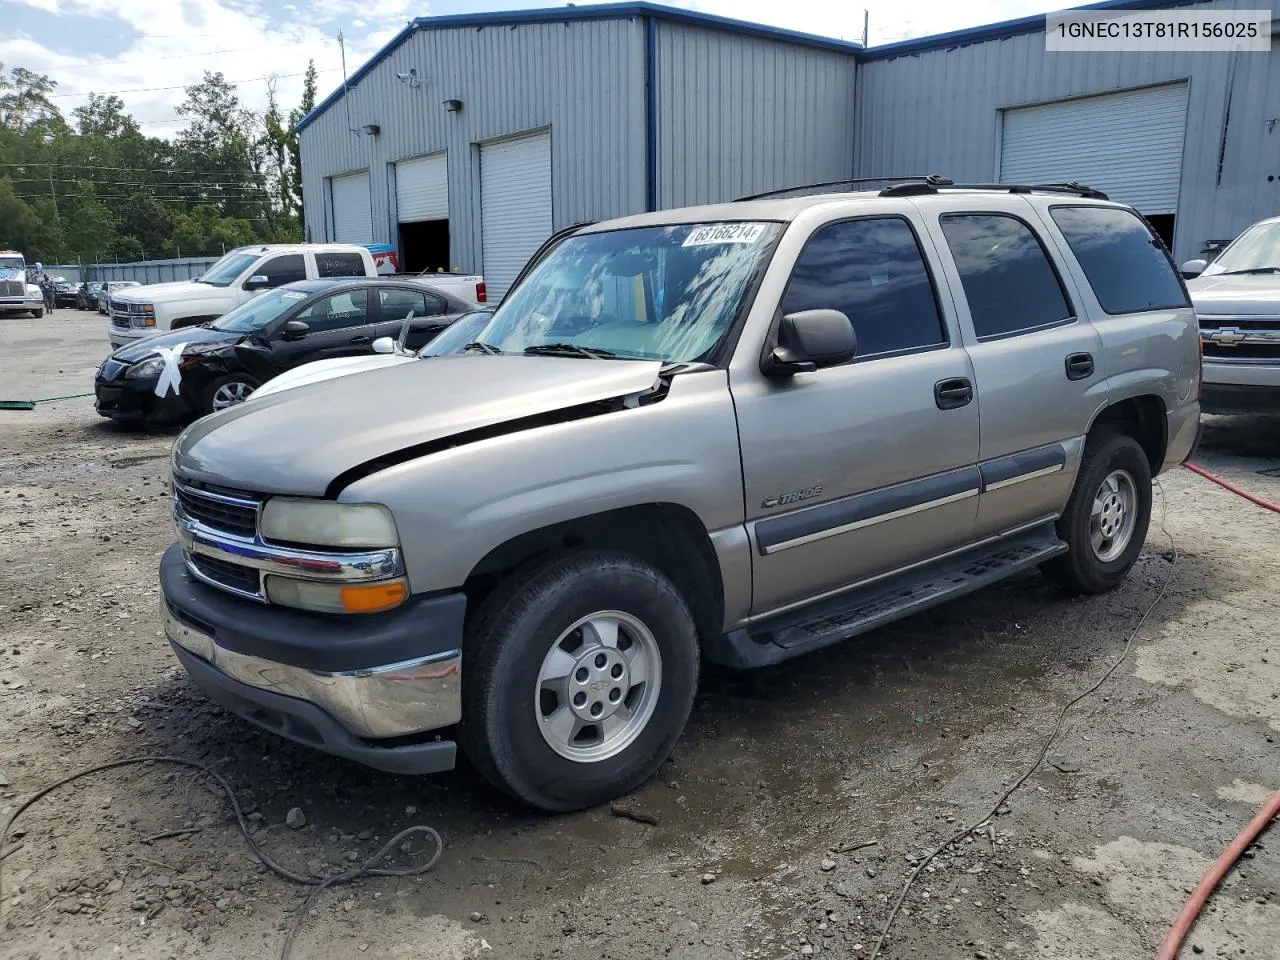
x=862 y=609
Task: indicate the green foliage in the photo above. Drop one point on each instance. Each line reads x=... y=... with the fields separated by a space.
x=93 y=187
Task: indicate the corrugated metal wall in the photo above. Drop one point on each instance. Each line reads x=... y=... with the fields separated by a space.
x=583 y=79
x=938 y=111
x=740 y=115
x=152 y=271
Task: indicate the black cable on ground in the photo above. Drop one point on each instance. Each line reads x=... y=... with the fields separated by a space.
x=370 y=868
x=1044 y=749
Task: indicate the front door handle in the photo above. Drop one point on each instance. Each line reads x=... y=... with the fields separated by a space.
x=360 y=340
x=952 y=392
x=1079 y=366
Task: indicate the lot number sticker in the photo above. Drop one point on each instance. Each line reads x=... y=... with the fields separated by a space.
x=725 y=233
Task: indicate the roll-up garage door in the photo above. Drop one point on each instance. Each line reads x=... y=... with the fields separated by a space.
x=422 y=189
x=352 y=220
x=1128 y=144
x=515 y=206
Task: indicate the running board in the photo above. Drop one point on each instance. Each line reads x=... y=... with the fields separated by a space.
x=829 y=621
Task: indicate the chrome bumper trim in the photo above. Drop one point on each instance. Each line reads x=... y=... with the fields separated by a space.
x=374 y=703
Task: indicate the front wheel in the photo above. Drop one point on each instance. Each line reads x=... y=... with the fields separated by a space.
x=38 y=313
x=579 y=676
x=227 y=391
x=1105 y=523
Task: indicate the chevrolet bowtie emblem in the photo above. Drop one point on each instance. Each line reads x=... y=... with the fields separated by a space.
x=1227 y=336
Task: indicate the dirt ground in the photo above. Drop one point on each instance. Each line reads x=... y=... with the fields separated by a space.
x=900 y=737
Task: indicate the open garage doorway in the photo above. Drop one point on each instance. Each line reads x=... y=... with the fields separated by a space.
x=424 y=246
x=422 y=213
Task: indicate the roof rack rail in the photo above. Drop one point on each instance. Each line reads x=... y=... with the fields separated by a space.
x=836 y=183
x=931 y=186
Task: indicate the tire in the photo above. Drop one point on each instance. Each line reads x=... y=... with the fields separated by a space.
x=1095 y=562
x=38 y=313
x=506 y=729
x=217 y=393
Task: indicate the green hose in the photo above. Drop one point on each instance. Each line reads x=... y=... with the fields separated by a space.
x=31 y=404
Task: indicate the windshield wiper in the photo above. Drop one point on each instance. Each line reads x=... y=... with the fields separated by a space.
x=1236 y=273
x=568 y=350
x=475 y=346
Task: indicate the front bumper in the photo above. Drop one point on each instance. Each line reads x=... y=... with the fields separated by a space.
x=344 y=685
x=1236 y=386
x=122 y=336
x=124 y=399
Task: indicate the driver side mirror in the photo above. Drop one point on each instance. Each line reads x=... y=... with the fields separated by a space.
x=809 y=340
x=384 y=345
x=259 y=281
x=1193 y=268
x=294 y=330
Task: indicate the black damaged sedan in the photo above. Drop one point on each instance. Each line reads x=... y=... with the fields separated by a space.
x=197 y=370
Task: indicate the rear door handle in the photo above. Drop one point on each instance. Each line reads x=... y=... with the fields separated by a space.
x=1079 y=366
x=360 y=340
x=952 y=392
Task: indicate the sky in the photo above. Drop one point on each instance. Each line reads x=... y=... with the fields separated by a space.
x=145 y=51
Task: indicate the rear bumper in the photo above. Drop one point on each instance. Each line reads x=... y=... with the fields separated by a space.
x=344 y=685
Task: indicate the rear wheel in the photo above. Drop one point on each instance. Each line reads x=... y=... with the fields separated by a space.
x=228 y=391
x=1105 y=523
x=580 y=674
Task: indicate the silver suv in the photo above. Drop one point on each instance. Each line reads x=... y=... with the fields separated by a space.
x=738 y=432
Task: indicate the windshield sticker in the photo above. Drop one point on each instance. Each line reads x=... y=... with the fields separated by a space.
x=293 y=295
x=725 y=233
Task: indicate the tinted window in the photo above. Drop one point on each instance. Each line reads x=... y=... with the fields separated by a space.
x=339 y=265
x=396 y=304
x=1007 y=277
x=282 y=270
x=346 y=309
x=1126 y=266
x=873 y=272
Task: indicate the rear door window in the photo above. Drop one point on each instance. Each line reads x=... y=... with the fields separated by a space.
x=282 y=270
x=1126 y=265
x=1009 y=282
x=873 y=272
x=339 y=265
x=396 y=303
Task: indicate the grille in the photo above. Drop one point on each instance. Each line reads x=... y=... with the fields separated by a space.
x=231 y=518
x=227 y=574
x=1243 y=351
x=119 y=320
x=12 y=288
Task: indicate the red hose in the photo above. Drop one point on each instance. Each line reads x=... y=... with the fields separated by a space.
x=1252 y=498
x=1182 y=926
x=1187 y=917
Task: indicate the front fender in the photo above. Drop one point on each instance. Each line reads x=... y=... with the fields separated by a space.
x=451 y=508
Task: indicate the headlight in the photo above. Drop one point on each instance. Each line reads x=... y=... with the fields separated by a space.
x=328 y=524
x=336 y=597
x=149 y=367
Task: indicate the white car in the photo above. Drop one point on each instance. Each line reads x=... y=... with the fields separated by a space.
x=387 y=353
x=108 y=289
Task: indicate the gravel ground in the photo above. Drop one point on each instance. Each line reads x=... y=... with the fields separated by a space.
x=899 y=738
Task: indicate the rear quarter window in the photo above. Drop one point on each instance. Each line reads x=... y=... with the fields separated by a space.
x=1127 y=266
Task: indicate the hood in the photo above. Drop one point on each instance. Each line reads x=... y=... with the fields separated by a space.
x=166 y=292
x=328 y=370
x=299 y=440
x=134 y=352
x=1243 y=294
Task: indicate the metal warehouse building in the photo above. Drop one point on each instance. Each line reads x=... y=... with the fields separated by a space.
x=468 y=139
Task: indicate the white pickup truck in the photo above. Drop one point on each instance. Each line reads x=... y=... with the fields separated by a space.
x=242 y=274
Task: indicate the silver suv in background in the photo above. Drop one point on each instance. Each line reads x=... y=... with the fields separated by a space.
x=1238 y=300
x=739 y=432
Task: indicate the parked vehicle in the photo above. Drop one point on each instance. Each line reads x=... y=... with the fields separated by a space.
x=64 y=292
x=241 y=275
x=386 y=353
x=198 y=370
x=1238 y=300
x=740 y=432
x=17 y=295
x=109 y=289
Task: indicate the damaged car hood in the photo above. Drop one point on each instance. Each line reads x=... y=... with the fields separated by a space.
x=299 y=440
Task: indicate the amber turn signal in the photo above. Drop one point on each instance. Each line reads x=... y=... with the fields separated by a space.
x=373 y=597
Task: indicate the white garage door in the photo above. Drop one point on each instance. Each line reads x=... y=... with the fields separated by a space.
x=352 y=220
x=515 y=206
x=422 y=189
x=1128 y=145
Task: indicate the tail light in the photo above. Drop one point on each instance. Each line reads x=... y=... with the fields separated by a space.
x=482 y=295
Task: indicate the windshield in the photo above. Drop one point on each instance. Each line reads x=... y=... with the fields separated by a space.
x=12 y=268
x=458 y=334
x=1258 y=248
x=224 y=272
x=651 y=293
x=258 y=312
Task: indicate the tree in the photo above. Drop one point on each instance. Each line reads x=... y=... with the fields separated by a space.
x=18 y=225
x=221 y=140
x=104 y=117
x=25 y=103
